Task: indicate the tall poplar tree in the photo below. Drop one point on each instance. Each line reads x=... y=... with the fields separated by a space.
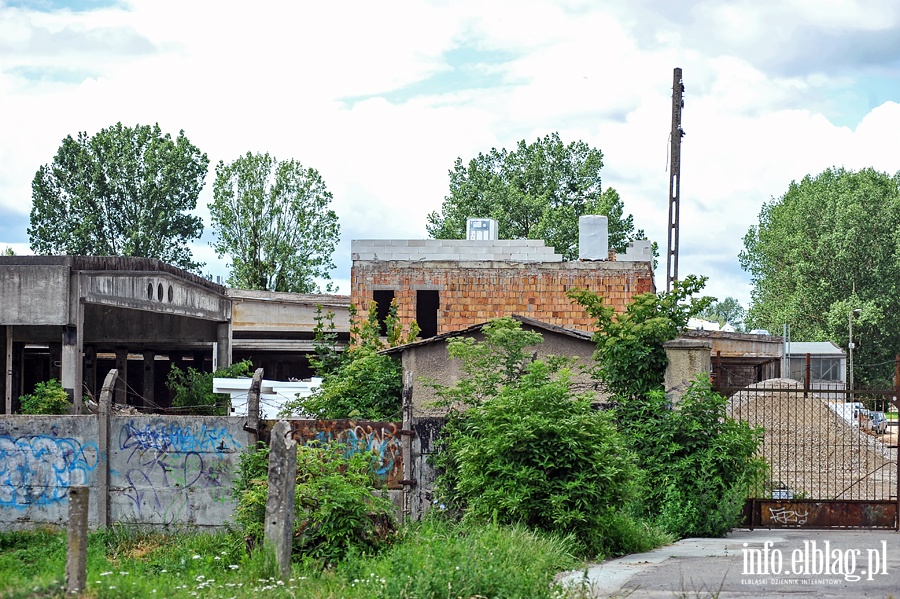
x=272 y=218
x=125 y=191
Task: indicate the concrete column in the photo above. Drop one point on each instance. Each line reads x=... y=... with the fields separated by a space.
x=687 y=359
x=77 y=540
x=149 y=391
x=223 y=345
x=55 y=360
x=280 y=501
x=122 y=379
x=252 y=425
x=71 y=369
x=8 y=369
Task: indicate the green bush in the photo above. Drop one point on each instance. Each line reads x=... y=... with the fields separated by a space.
x=360 y=382
x=48 y=398
x=700 y=463
x=536 y=455
x=337 y=505
x=528 y=451
x=194 y=389
x=367 y=386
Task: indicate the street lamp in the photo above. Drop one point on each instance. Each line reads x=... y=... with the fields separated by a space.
x=851 y=346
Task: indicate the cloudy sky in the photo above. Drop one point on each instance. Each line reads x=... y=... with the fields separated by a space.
x=381 y=97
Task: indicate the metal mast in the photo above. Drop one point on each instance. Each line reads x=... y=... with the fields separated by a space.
x=674 y=178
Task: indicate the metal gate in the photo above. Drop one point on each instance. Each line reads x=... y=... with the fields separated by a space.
x=830 y=466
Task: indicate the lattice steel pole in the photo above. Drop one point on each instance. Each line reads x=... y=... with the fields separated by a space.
x=674 y=178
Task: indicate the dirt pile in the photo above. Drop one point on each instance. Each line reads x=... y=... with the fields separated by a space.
x=814 y=452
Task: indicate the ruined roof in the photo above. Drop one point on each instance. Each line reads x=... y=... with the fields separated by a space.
x=111 y=263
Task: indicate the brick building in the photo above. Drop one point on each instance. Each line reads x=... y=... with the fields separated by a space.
x=449 y=284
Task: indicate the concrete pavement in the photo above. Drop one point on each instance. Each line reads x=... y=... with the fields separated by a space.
x=757 y=563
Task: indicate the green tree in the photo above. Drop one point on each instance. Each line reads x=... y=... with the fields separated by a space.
x=829 y=245
x=272 y=219
x=631 y=358
x=360 y=382
x=536 y=191
x=8 y=252
x=728 y=311
x=125 y=191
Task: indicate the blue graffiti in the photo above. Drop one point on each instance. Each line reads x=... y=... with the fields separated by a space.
x=170 y=437
x=39 y=469
x=360 y=440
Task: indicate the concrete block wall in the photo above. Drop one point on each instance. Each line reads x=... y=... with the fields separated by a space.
x=637 y=251
x=509 y=250
x=174 y=469
x=40 y=458
x=471 y=292
x=161 y=470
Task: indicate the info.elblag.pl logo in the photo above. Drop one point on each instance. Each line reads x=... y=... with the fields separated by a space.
x=816 y=560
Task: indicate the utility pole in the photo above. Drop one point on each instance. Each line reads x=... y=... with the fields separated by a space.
x=674 y=178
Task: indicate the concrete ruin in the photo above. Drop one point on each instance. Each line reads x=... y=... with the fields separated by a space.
x=74 y=318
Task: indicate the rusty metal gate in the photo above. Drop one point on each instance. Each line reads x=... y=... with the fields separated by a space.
x=830 y=466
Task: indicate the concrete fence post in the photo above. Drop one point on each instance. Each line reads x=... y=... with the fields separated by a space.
x=253 y=407
x=688 y=358
x=103 y=412
x=77 y=538
x=280 y=501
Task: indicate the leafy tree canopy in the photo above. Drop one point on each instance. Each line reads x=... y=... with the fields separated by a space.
x=829 y=245
x=728 y=311
x=536 y=191
x=125 y=191
x=272 y=218
x=631 y=358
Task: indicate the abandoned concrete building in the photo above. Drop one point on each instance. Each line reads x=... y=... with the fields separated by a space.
x=74 y=318
x=427 y=359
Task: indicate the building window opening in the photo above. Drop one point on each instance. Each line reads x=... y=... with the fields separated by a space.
x=383 y=299
x=427 y=304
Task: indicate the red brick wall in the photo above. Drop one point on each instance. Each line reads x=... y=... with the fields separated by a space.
x=473 y=292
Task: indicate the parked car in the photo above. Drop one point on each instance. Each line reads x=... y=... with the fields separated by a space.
x=872 y=421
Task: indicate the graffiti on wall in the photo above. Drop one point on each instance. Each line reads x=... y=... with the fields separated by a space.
x=165 y=460
x=39 y=469
x=381 y=438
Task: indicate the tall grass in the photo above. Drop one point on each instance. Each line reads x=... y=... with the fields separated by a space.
x=429 y=559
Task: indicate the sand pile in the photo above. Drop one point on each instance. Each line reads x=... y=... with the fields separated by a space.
x=813 y=452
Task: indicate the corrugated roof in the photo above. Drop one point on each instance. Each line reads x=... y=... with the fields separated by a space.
x=821 y=348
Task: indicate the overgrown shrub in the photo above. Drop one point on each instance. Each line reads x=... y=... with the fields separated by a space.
x=527 y=450
x=700 y=463
x=631 y=360
x=360 y=382
x=48 y=398
x=194 y=389
x=337 y=506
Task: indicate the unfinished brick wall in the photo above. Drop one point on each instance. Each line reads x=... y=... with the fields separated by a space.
x=472 y=292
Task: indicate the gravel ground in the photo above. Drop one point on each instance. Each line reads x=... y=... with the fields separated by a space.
x=814 y=452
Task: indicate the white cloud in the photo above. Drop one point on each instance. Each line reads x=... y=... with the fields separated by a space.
x=366 y=94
